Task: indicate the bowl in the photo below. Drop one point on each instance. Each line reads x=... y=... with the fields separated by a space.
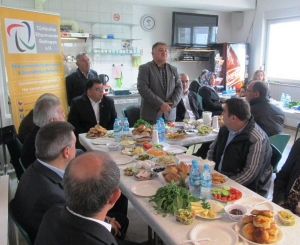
x=185 y=216
x=286 y=217
x=113 y=146
x=296 y=107
x=235 y=217
x=191 y=132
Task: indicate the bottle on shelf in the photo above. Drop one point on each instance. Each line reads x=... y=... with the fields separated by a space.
x=117 y=130
x=206 y=182
x=195 y=179
x=287 y=100
x=282 y=100
x=126 y=126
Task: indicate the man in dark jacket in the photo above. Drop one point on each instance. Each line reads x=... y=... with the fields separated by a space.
x=189 y=106
x=75 y=82
x=242 y=149
x=92 y=108
x=268 y=116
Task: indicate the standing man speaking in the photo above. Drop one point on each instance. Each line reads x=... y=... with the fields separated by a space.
x=159 y=86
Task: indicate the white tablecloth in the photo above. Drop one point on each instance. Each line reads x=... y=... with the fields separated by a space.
x=172 y=232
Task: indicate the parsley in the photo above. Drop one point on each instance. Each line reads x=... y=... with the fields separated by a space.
x=171 y=197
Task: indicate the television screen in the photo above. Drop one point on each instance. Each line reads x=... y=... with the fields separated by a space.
x=194 y=30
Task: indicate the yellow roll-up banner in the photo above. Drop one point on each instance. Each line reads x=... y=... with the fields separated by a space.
x=32 y=57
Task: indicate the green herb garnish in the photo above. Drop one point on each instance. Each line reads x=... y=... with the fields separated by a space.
x=143 y=122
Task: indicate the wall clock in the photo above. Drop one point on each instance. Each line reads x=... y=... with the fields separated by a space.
x=147 y=22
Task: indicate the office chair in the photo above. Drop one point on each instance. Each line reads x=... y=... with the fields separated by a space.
x=132 y=113
x=21 y=229
x=275 y=158
x=280 y=141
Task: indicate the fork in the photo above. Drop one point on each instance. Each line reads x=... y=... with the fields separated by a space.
x=254 y=205
x=197 y=240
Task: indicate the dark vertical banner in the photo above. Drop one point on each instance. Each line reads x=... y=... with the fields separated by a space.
x=32 y=58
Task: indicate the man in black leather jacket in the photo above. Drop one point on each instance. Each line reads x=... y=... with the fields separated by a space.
x=268 y=116
x=242 y=149
x=189 y=106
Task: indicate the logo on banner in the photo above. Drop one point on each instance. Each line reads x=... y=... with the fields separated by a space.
x=20 y=36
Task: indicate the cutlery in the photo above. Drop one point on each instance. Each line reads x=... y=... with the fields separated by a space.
x=257 y=204
x=197 y=240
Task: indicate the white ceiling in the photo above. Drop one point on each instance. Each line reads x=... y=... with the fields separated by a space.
x=212 y=5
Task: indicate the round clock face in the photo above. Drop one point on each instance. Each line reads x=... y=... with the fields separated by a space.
x=148 y=23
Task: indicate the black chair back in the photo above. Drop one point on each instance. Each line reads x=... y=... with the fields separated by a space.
x=132 y=113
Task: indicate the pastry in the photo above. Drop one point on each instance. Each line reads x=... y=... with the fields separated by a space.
x=247 y=219
x=267 y=213
x=262 y=221
x=248 y=231
x=260 y=235
x=171 y=176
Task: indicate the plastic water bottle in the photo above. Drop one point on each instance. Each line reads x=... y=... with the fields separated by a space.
x=163 y=130
x=117 y=130
x=195 y=178
x=282 y=99
x=126 y=126
x=287 y=100
x=206 y=182
x=158 y=128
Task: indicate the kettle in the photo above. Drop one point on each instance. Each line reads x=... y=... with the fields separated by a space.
x=103 y=78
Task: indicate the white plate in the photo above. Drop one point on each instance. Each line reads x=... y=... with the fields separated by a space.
x=239 y=230
x=219 y=234
x=145 y=188
x=191 y=132
x=121 y=160
x=152 y=176
x=218 y=215
x=134 y=158
x=177 y=149
x=253 y=200
x=226 y=178
x=162 y=164
x=102 y=141
x=162 y=179
x=187 y=158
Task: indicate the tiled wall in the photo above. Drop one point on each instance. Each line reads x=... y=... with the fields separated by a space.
x=86 y=14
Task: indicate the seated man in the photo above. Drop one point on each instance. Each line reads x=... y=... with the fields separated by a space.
x=189 y=106
x=287 y=182
x=268 y=116
x=41 y=185
x=242 y=149
x=46 y=109
x=91 y=185
x=92 y=108
x=210 y=98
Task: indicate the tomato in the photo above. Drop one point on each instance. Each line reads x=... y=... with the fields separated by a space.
x=218 y=196
x=171 y=124
x=233 y=191
x=229 y=199
x=147 y=146
x=224 y=198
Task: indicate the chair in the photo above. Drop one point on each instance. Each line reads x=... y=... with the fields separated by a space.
x=132 y=113
x=280 y=141
x=200 y=100
x=297 y=131
x=14 y=146
x=22 y=231
x=275 y=158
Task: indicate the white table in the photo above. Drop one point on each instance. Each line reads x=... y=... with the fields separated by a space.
x=170 y=231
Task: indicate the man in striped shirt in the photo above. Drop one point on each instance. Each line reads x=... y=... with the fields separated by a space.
x=242 y=149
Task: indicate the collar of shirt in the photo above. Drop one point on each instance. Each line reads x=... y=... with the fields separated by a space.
x=96 y=108
x=106 y=225
x=87 y=76
x=60 y=172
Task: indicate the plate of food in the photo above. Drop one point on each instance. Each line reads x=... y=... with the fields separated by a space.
x=218 y=179
x=142 y=175
x=155 y=152
x=145 y=188
x=226 y=193
x=258 y=235
x=176 y=149
x=208 y=209
x=127 y=143
x=217 y=233
x=166 y=160
x=191 y=132
x=204 y=130
x=97 y=131
x=142 y=157
x=129 y=171
x=187 y=158
x=132 y=151
x=176 y=136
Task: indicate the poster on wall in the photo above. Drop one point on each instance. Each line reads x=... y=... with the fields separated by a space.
x=32 y=58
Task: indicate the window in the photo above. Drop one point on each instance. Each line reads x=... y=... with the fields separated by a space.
x=283 y=50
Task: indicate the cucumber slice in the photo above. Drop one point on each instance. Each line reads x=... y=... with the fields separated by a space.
x=225 y=187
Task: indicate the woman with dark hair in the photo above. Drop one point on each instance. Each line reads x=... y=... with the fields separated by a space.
x=210 y=98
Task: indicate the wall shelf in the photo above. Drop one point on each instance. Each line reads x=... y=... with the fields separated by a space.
x=111 y=39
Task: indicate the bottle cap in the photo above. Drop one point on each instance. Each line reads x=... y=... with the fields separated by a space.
x=195 y=163
x=206 y=166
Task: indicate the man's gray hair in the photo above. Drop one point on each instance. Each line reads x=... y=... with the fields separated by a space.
x=87 y=196
x=79 y=54
x=52 y=139
x=45 y=109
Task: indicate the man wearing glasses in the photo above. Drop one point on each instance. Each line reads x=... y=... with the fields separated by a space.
x=268 y=116
x=92 y=108
x=75 y=82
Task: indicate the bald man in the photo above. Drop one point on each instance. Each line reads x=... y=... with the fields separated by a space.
x=91 y=187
